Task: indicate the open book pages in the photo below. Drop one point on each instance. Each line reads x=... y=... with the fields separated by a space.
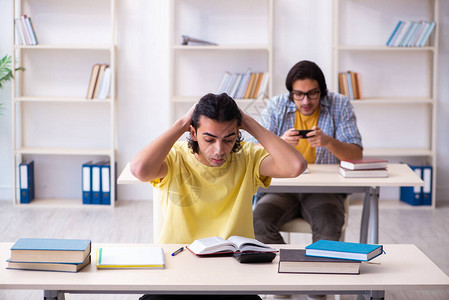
x=218 y=245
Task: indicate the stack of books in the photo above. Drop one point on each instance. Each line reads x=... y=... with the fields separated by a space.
x=350 y=85
x=100 y=82
x=364 y=168
x=327 y=257
x=249 y=85
x=96 y=182
x=411 y=34
x=25 y=31
x=63 y=255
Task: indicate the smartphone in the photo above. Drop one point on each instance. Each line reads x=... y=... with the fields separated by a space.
x=303 y=133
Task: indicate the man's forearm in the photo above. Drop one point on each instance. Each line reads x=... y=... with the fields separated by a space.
x=149 y=164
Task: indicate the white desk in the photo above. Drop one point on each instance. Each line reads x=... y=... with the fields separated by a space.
x=326 y=179
x=404 y=267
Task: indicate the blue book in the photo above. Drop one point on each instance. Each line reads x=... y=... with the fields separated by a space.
x=86 y=173
x=26 y=181
x=105 y=170
x=50 y=250
x=412 y=194
x=394 y=33
x=344 y=250
x=426 y=34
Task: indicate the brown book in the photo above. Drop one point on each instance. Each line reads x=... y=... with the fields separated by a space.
x=343 y=84
x=93 y=81
x=99 y=80
x=295 y=261
x=250 y=85
x=358 y=83
x=257 y=85
x=354 y=85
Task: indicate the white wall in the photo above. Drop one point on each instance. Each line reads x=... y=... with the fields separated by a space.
x=302 y=31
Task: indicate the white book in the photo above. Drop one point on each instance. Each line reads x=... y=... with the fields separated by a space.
x=224 y=82
x=217 y=245
x=427 y=34
x=130 y=257
x=402 y=33
x=262 y=93
x=105 y=84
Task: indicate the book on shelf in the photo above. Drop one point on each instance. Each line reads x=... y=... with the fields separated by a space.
x=363 y=173
x=296 y=261
x=217 y=245
x=344 y=250
x=50 y=250
x=26 y=181
x=249 y=85
x=188 y=40
x=96 y=182
x=100 y=82
x=350 y=84
x=40 y=266
x=127 y=257
x=411 y=33
x=25 y=31
x=364 y=164
x=86 y=182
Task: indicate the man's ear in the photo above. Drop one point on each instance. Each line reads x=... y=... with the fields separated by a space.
x=193 y=133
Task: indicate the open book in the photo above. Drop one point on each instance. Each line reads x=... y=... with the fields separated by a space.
x=218 y=245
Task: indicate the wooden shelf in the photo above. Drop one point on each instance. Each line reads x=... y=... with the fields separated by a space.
x=221 y=47
x=396 y=100
x=397 y=152
x=65 y=151
x=61 y=99
x=66 y=47
x=61 y=202
x=382 y=48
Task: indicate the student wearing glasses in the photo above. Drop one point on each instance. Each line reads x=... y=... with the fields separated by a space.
x=334 y=137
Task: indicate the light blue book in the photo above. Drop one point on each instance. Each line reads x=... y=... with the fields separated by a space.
x=344 y=250
x=50 y=250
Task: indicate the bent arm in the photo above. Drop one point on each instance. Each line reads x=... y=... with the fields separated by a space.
x=284 y=160
x=149 y=163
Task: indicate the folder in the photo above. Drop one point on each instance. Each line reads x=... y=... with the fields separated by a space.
x=26 y=180
x=427 y=188
x=412 y=194
x=86 y=172
x=105 y=170
x=96 y=182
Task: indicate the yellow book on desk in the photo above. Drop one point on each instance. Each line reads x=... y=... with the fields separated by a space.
x=130 y=257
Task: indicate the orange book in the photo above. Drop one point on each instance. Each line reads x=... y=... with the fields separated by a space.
x=358 y=81
x=354 y=85
x=99 y=80
x=256 y=89
x=93 y=81
x=250 y=85
x=342 y=79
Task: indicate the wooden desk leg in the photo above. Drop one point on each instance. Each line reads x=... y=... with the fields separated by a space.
x=374 y=216
x=54 y=295
x=365 y=217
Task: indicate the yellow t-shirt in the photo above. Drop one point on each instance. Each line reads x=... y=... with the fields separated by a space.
x=198 y=201
x=306 y=122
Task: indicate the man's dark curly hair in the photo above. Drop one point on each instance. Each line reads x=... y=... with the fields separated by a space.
x=220 y=108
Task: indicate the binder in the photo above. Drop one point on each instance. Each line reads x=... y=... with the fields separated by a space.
x=86 y=173
x=96 y=182
x=105 y=183
x=26 y=180
x=412 y=194
x=427 y=188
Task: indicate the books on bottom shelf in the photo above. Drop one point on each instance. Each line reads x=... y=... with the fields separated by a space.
x=126 y=257
x=96 y=182
x=249 y=85
x=26 y=181
x=100 y=82
x=364 y=168
x=66 y=255
x=296 y=261
x=344 y=250
x=350 y=85
x=217 y=245
x=417 y=195
x=25 y=31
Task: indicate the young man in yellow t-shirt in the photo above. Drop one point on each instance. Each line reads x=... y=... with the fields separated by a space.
x=207 y=184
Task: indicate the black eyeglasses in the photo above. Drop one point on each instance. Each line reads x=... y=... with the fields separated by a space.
x=312 y=95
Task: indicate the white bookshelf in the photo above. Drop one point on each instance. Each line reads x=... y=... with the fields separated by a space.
x=399 y=83
x=52 y=121
x=243 y=31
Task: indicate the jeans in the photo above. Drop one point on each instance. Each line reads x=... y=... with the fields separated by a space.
x=324 y=212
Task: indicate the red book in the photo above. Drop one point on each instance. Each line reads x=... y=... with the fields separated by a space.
x=364 y=164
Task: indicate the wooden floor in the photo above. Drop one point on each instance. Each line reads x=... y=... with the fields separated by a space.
x=130 y=222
